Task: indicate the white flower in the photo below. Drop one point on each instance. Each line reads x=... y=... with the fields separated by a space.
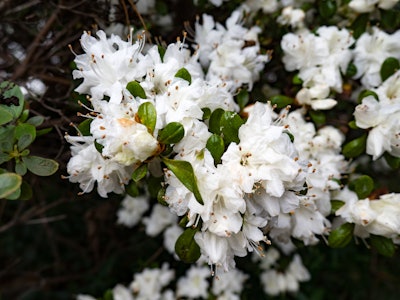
x=292 y=16
x=108 y=65
x=160 y=218
x=382 y=116
x=370 y=52
x=364 y=6
x=378 y=217
x=171 y=235
x=194 y=284
x=229 y=282
x=132 y=210
x=85 y=297
x=148 y=284
x=120 y=292
x=230 y=53
x=267 y=6
x=87 y=166
x=125 y=140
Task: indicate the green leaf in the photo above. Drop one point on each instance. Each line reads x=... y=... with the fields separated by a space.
x=161 y=196
x=327 y=8
x=9 y=184
x=99 y=147
x=26 y=191
x=389 y=67
x=318 y=117
x=230 y=124
x=359 y=25
x=186 y=247
x=215 y=121
x=5 y=115
x=140 y=172
x=24 y=116
x=355 y=147
x=352 y=124
x=154 y=184
x=335 y=205
x=20 y=168
x=4 y=157
x=281 y=101
x=206 y=113
x=161 y=51
x=13 y=94
x=172 y=133
x=15 y=195
x=390 y=18
x=183 y=170
x=215 y=144
x=351 y=70
x=84 y=127
x=341 y=236
x=25 y=134
x=132 y=189
x=7 y=138
x=40 y=166
x=184 y=74
x=367 y=93
x=242 y=98
x=383 y=245
x=297 y=80
x=43 y=131
x=393 y=162
x=136 y=89
x=148 y=116
x=35 y=121
x=108 y=295
x=363 y=186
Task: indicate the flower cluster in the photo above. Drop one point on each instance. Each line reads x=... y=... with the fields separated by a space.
x=238 y=172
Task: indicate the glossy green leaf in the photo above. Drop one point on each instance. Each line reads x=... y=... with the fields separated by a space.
x=318 y=117
x=24 y=116
x=215 y=121
x=215 y=144
x=355 y=147
x=359 y=25
x=183 y=170
x=393 y=162
x=363 y=186
x=389 y=67
x=186 y=247
x=351 y=70
x=148 y=116
x=132 y=189
x=341 y=236
x=136 y=89
x=40 y=166
x=184 y=74
x=161 y=51
x=7 y=138
x=9 y=184
x=230 y=124
x=84 y=127
x=366 y=93
x=43 y=131
x=383 y=245
x=297 y=80
x=99 y=147
x=172 y=133
x=206 y=113
x=161 y=196
x=140 y=172
x=242 y=98
x=335 y=205
x=281 y=101
x=154 y=184
x=327 y=8
x=352 y=124
x=4 y=157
